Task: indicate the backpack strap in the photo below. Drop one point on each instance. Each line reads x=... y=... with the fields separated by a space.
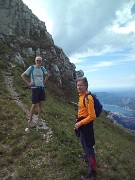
x=31 y=72
x=43 y=70
x=97 y=105
x=86 y=97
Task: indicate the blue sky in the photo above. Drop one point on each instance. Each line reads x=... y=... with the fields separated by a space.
x=97 y=36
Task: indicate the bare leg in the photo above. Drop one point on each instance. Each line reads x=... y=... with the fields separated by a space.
x=32 y=111
x=40 y=106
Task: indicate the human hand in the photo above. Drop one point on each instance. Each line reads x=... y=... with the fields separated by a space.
x=31 y=84
x=77 y=125
x=49 y=74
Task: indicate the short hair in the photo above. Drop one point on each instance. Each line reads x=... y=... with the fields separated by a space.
x=38 y=57
x=84 y=79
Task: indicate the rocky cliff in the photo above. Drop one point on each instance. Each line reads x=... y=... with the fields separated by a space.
x=26 y=36
x=17 y=20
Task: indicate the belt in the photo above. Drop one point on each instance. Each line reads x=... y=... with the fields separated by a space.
x=39 y=87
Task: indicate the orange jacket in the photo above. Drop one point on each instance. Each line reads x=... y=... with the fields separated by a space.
x=88 y=112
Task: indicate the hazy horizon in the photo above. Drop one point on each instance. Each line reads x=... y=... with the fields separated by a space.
x=112 y=89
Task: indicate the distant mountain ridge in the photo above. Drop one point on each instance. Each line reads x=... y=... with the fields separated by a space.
x=123 y=99
x=121 y=107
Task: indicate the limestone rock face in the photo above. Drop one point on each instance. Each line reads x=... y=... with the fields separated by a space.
x=27 y=36
x=18 y=20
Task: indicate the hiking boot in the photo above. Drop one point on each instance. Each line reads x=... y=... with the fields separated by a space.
x=39 y=123
x=32 y=124
x=89 y=176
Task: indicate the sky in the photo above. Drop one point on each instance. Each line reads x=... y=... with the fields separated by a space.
x=98 y=36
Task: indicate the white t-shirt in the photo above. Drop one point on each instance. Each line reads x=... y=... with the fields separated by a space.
x=38 y=75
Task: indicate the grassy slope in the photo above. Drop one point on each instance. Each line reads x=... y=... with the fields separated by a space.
x=28 y=156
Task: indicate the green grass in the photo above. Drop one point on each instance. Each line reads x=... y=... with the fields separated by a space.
x=28 y=156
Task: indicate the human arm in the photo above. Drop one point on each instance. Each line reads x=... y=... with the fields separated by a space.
x=46 y=78
x=25 y=78
x=47 y=75
x=88 y=112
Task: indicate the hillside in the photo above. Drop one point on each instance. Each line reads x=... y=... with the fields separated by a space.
x=52 y=152
x=29 y=155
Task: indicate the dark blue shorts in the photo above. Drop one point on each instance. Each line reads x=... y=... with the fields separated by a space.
x=38 y=94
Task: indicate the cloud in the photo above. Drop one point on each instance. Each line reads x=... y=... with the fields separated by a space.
x=90 y=27
x=97 y=36
x=98 y=66
x=104 y=64
x=124 y=30
x=91 y=64
x=39 y=10
x=129 y=77
x=81 y=27
x=132 y=77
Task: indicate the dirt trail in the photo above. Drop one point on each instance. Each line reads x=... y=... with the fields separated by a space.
x=9 y=86
x=8 y=80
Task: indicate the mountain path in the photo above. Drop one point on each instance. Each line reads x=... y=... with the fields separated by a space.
x=8 y=81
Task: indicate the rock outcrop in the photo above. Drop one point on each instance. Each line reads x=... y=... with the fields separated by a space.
x=26 y=36
x=18 y=20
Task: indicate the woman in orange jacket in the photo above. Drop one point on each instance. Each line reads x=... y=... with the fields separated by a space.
x=84 y=125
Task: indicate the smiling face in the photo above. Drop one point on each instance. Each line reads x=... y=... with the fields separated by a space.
x=38 y=61
x=81 y=86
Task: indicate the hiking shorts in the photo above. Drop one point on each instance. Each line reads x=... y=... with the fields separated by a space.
x=38 y=94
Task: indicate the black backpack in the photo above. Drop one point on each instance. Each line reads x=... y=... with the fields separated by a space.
x=97 y=105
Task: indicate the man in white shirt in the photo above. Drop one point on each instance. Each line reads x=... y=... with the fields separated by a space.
x=38 y=77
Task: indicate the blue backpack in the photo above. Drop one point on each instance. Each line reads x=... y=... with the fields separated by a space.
x=97 y=105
